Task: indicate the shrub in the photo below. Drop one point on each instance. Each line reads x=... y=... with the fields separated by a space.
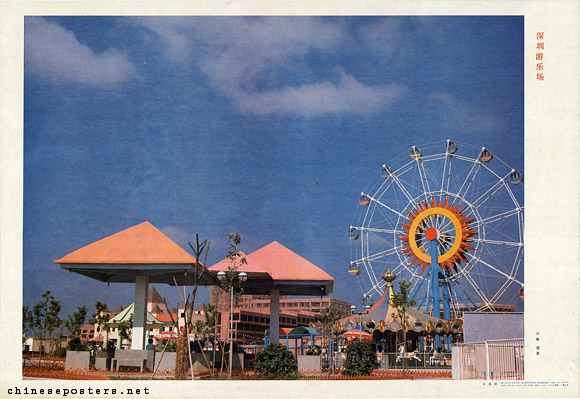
x=360 y=359
x=276 y=363
x=197 y=346
x=75 y=344
x=314 y=351
x=171 y=346
x=60 y=352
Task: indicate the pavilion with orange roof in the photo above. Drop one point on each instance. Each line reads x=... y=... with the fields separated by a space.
x=142 y=255
x=275 y=270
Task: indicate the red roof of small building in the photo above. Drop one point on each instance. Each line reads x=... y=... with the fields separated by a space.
x=140 y=244
x=165 y=317
x=283 y=264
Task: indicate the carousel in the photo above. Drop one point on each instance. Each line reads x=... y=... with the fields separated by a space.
x=383 y=325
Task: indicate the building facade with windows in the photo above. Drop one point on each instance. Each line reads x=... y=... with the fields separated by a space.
x=251 y=315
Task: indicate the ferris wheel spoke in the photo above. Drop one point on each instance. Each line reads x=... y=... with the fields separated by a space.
x=422 y=247
x=516 y=263
x=399 y=184
x=498 y=217
x=492 y=267
x=508 y=243
x=501 y=290
x=384 y=205
x=445 y=172
x=378 y=287
x=478 y=291
x=370 y=272
x=444 y=242
x=511 y=194
x=379 y=255
x=447 y=228
x=374 y=230
x=469 y=178
x=490 y=192
x=400 y=267
x=423 y=178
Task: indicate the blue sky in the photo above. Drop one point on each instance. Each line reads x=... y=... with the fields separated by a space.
x=269 y=127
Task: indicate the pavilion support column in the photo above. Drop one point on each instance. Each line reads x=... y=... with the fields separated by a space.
x=274 y=316
x=140 y=313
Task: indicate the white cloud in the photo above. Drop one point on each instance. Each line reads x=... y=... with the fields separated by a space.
x=174 y=32
x=348 y=95
x=54 y=52
x=260 y=63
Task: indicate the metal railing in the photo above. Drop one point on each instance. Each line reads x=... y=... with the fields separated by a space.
x=489 y=360
x=414 y=360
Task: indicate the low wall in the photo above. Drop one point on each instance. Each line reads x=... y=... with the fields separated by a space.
x=102 y=363
x=199 y=364
x=167 y=363
x=309 y=363
x=77 y=360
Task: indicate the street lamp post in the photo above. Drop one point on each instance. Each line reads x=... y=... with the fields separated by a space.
x=367 y=301
x=242 y=277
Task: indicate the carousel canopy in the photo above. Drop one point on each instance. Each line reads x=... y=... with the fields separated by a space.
x=383 y=313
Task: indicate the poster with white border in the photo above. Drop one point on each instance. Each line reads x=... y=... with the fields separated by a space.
x=552 y=194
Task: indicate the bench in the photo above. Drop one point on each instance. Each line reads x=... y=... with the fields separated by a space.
x=143 y=359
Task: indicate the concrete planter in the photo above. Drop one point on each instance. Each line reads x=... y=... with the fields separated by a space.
x=77 y=360
x=103 y=359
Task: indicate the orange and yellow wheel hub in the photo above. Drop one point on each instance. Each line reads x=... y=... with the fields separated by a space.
x=457 y=243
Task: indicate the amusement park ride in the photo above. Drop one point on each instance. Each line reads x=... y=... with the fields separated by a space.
x=449 y=219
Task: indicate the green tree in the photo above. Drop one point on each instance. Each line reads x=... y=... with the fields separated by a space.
x=26 y=320
x=183 y=348
x=330 y=316
x=100 y=318
x=276 y=363
x=43 y=319
x=237 y=259
x=360 y=359
x=401 y=301
x=75 y=322
x=210 y=322
x=231 y=282
x=125 y=327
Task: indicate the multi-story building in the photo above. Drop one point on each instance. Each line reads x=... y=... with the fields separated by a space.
x=251 y=315
x=315 y=305
x=87 y=332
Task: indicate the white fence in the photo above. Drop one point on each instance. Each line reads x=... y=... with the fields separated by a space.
x=489 y=360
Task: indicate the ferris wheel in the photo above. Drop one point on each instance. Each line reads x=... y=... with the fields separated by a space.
x=449 y=218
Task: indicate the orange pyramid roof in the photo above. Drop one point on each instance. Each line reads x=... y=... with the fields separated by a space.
x=283 y=264
x=249 y=267
x=140 y=244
